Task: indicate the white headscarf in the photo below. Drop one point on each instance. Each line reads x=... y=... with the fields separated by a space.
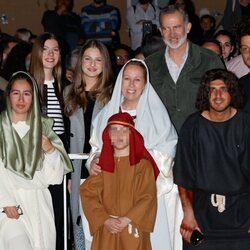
x=152 y=121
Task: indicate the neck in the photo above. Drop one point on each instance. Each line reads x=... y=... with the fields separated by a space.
x=90 y=82
x=48 y=74
x=121 y=152
x=216 y=116
x=178 y=53
x=129 y=105
x=18 y=117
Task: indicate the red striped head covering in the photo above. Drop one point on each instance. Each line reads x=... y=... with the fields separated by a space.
x=137 y=150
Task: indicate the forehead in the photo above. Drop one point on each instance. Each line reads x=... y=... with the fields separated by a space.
x=121 y=52
x=92 y=52
x=133 y=69
x=51 y=43
x=223 y=38
x=21 y=84
x=217 y=82
x=172 y=19
x=245 y=40
x=118 y=127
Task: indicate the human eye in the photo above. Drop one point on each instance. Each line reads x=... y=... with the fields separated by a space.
x=27 y=93
x=14 y=92
x=177 y=27
x=138 y=79
x=224 y=89
x=165 y=29
x=99 y=60
x=227 y=45
x=45 y=49
x=56 y=50
x=244 y=49
x=212 y=89
x=125 y=78
x=86 y=59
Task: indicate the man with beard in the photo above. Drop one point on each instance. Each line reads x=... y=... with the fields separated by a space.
x=176 y=70
x=212 y=166
x=101 y=21
x=139 y=15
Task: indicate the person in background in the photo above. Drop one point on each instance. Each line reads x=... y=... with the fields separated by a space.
x=101 y=21
x=123 y=53
x=32 y=157
x=227 y=43
x=213 y=45
x=239 y=64
x=46 y=67
x=212 y=166
x=23 y=34
x=207 y=23
x=120 y=203
x=64 y=23
x=134 y=94
x=140 y=16
x=17 y=59
x=244 y=35
x=90 y=90
x=6 y=44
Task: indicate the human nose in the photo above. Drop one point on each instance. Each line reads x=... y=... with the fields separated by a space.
x=218 y=92
x=20 y=97
x=131 y=83
x=92 y=62
x=50 y=52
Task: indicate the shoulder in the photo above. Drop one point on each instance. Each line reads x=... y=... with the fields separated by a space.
x=244 y=80
x=245 y=116
x=145 y=166
x=155 y=58
x=87 y=8
x=190 y=124
x=204 y=57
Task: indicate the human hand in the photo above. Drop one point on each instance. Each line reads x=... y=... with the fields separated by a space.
x=124 y=222
x=113 y=225
x=188 y=225
x=95 y=169
x=69 y=74
x=69 y=186
x=47 y=146
x=11 y=212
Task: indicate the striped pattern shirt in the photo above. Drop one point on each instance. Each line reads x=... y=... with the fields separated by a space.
x=54 y=109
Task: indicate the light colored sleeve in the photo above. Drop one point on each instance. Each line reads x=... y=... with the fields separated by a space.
x=156 y=19
x=53 y=168
x=95 y=148
x=164 y=182
x=7 y=197
x=132 y=20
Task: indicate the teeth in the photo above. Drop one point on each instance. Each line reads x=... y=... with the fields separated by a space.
x=131 y=91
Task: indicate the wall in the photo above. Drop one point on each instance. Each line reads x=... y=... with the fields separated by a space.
x=28 y=13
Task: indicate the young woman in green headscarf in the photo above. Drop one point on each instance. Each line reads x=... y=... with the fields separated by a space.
x=32 y=157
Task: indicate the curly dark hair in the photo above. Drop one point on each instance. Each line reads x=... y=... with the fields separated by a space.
x=231 y=81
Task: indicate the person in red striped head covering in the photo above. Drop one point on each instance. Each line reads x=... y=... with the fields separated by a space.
x=120 y=203
x=120 y=131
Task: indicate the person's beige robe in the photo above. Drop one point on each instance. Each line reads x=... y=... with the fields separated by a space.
x=130 y=191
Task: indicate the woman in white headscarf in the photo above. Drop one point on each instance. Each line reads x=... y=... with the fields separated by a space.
x=32 y=157
x=153 y=122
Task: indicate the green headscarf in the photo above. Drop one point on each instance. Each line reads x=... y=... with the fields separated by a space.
x=25 y=156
